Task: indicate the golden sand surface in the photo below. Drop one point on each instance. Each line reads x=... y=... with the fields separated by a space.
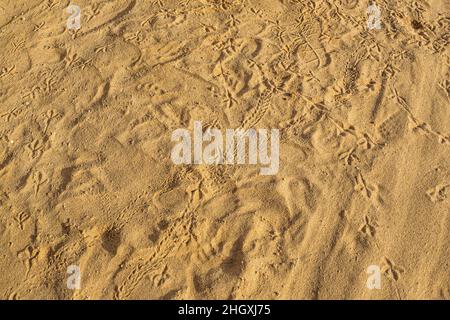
x=87 y=180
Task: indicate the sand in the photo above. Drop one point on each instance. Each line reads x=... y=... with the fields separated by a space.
x=86 y=177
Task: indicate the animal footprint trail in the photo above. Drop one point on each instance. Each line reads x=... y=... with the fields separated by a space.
x=21 y=218
x=369 y=227
x=393 y=272
x=28 y=255
x=36 y=148
x=6 y=71
x=49 y=117
x=177 y=235
x=307 y=32
x=13 y=113
x=391 y=269
x=379 y=98
x=369 y=191
x=87 y=178
x=439 y=193
x=258 y=112
x=38 y=181
x=418 y=124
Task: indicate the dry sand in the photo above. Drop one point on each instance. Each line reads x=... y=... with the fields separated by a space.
x=86 y=176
